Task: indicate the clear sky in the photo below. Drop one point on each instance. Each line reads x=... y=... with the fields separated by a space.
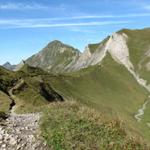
x=26 y=26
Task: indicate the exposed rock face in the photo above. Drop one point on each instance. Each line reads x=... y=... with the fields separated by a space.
x=91 y=56
x=82 y=60
x=118 y=49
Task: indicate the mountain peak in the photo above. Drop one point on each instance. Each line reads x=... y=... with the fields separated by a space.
x=8 y=66
x=7 y=63
x=55 y=42
x=55 y=57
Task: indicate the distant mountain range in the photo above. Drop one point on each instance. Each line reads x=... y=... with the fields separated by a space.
x=8 y=66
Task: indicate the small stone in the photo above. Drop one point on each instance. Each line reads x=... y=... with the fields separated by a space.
x=27 y=128
x=22 y=129
x=18 y=147
x=14 y=125
x=2 y=132
x=18 y=130
x=3 y=145
x=13 y=141
x=18 y=141
x=31 y=138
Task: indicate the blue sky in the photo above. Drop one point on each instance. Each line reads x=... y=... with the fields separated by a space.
x=26 y=26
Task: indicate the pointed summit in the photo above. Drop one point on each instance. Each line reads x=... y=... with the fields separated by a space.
x=56 y=42
x=8 y=66
x=55 y=57
x=59 y=46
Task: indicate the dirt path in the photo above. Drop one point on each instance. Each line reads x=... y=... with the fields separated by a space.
x=20 y=132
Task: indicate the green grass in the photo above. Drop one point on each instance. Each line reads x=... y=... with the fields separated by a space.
x=7 y=79
x=70 y=125
x=4 y=102
x=94 y=47
x=109 y=88
x=138 y=43
x=33 y=93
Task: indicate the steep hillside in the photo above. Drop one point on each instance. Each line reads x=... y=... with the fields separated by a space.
x=26 y=88
x=108 y=87
x=103 y=86
x=4 y=102
x=7 y=79
x=55 y=57
x=138 y=42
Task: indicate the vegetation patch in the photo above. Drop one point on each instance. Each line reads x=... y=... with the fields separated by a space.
x=70 y=125
x=4 y=102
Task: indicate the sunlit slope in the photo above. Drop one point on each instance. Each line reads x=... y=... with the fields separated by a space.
x=138 y=43
x=56 y=57
x=4 y=102
x=85 y=128
x=29 y=90
x=108 y=87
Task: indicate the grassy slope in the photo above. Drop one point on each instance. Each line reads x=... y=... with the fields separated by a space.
x=71 y=125
x=7 y=78
x=139 y=43
x=104 y=86
x=94 y=47
x=4 y=102
x=35 y=92
x=110 y=88
x=32 y=93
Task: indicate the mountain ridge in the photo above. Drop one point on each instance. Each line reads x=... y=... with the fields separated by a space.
x=110 y=76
